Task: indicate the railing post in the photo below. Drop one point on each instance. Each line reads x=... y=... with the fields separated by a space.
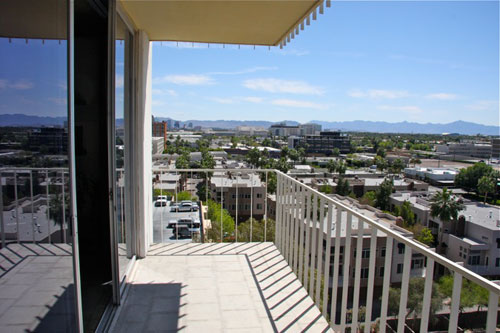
x=357 y=275
x=314 y=238
x=277 y=227
x=386 y=283
x=326 y=268
x=491 y=320
x=251 y=206
x=32 y=207
x=426 y=304
x=345 y=280
x=308 y=239
x=319 y=262
x=302 y=221
x=16 y=206
x=2 y=222
x=236 y=222
x=296 y=222
x=371 y=279
x=336 y=268
x=161 y=209
x=221 y=210
x=455 y=302
x=404 y=289
x=265 y=212
x=47 y=199
x=63 y=209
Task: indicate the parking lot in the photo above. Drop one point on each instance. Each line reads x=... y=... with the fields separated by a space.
x=161 y=218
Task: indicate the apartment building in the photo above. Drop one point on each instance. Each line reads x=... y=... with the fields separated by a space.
x=323 y=143
x=478 y=150
x=159 y=129
x=309 y=129
x=242 y=195
x=283 y=130
x=398 y=249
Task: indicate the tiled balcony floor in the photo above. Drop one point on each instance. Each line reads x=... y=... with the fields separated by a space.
x=36 y=288
x=214 y=287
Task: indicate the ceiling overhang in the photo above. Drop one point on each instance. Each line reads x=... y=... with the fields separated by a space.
x=251 y=22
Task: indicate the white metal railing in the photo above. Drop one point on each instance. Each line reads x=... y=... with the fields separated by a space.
x=309 y=225
x=26 y=214
x=238 y=185
x=306 y=219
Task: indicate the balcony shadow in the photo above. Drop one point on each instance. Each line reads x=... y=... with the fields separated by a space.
x=61 y=315
x=150 y=307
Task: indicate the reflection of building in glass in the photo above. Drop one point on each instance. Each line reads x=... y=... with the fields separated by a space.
x=49 y=140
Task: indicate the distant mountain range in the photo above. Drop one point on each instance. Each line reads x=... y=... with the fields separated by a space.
x=461 y=127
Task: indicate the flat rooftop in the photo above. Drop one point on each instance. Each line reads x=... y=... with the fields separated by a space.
x=480 y=214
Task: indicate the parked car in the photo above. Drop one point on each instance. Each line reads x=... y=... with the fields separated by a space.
x=192 y=224
x=181 y=231
x=164 y=197
x=161 y=203
x=185 y=206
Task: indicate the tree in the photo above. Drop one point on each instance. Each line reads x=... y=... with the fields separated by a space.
x=282 y=165
x=471 y=294
x=468 y=178
x=414 y=303
x=341 y=167
x=258 y=230
x=293 y=155
x=368 y=198
x=381 y=152
x=336 y=152
x=254 y=156
x=485 y=185
x=325 y=189
x=183 y=161
x=445 y=205
x=331 y=166
x=214 y=215
x=380 y=162
x=383 y=193
x=342 y=187
x=184 y=195
x=407 y=214
x=284 y=152
x=397 y=166
x=425 y=237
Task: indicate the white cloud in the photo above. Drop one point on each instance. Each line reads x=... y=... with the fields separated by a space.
x=378 y=94
x=245 y=71
x=283 y=86
x=17 y=85
x=222 y=100
x=168 y=92
x=298 y=104
x=483 y=105
x=442 y=96
x=252 y=99
x=58 y=101
x=187 y=80
x=412 y=109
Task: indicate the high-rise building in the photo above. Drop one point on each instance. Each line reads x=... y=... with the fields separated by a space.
x=160 y=130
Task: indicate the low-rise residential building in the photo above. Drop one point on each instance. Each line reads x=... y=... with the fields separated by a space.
x=242 y=195
x=251 y=131
x=284 y=130
x=309 y=129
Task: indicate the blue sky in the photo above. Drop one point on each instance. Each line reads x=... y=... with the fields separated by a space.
x=389 y=61
x=392 y=61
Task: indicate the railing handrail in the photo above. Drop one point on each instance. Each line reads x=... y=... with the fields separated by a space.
x=4 y=169
x=407 y=241
x=212 y=170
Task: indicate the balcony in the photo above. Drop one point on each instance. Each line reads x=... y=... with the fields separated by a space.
x=222 y=281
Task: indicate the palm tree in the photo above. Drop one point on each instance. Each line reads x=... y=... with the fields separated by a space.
x=446 y=206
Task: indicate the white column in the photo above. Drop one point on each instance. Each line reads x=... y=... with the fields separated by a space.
x=142 y=138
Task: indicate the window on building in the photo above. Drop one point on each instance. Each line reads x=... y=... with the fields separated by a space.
x=474 y=260
x=497 y=262
x=382 y=252
x=234 y=196
x=365 y=253
x=259 y=195
x=399 y=268
x=498 y=243
x=364 y=273
x=259 y=206
x=381 y=271
x=401 y=248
